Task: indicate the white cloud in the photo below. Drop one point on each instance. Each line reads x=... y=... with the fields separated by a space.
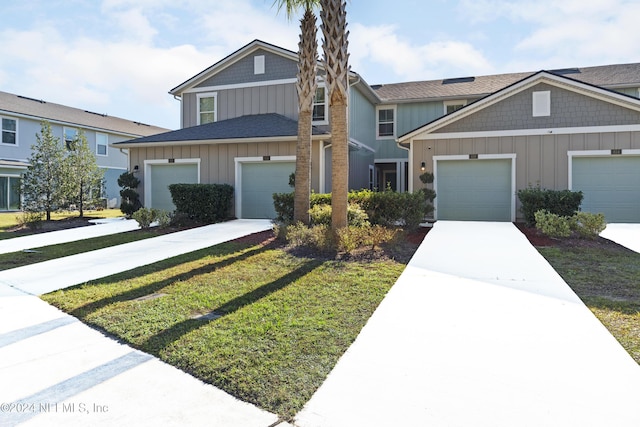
x=381 y=47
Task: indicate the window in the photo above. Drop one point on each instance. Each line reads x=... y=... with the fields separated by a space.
x=258 y=64
x=385 y=122
x=320 y=106
x=9 y=193
x=70 y=135
x=541 y=103
x=451 y=106
x=207 y=108
x=102 y=142
x=9 y=131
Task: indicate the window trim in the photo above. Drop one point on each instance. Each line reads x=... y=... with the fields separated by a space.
x=326 y=107
x=213 y=95
x=106 y=146
x=395 y=121
x=541 y=103
x=453 y=102
x=64 y=135
x=2 y=130
x=259 y=64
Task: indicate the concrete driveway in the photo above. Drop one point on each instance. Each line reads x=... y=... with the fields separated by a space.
x=627 y=235
x=479 y=330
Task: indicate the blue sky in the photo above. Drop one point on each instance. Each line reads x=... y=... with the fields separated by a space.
x=121 y=57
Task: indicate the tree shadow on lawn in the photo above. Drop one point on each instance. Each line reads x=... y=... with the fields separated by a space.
x=168 y=336
x=84 y=310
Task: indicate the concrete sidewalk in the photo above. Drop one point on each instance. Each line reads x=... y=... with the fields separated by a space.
x=102 y=228
x=56 y=371
x=479 y=330
x=627 y=235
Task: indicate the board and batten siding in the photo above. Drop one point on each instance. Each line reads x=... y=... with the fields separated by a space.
x=540 y=159
x=230 y=103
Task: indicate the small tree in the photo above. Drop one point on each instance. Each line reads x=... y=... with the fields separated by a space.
x=43 y=183
x=129 y=194
x=83 y=177
x=429 y=194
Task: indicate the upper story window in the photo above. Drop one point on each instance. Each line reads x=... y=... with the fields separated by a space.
x=451 y=106
x=9 y=131
x=386 y=122
x=102 y=142
x=258 y=64
x=541 y=103
x=70 y=134
x=207 y=112
x=320 y=106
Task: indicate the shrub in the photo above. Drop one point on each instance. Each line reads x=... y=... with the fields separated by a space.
x=321 y=215
x=31 y=219
x=129 y=195
x=283 y=204
x=144 y=217
x=206 y=203
x=378 y=235
x=351 y=238
x=316 y=237
x=552 y=224
x=588 y=225
x=162 y=217
x=560 y=202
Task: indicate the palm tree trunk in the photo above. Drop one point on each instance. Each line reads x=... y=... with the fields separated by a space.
x=339 y=166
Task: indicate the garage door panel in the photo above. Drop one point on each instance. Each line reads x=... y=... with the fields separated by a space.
x=259 y=182
x=166 y=174
x=610 y=185
x=474 y=190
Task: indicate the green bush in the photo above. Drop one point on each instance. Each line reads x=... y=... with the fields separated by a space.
x=589 y=225
x=162 y=217
x=31 y=219
x=283 y=204
x=560 y=202
x=206 y=203
x=130 y=199
x=552 y=224
x=378 y=235
x=144 y=217
x=321 y=215
x=299 y=235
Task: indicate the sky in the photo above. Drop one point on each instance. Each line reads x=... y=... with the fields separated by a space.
x=121 y=57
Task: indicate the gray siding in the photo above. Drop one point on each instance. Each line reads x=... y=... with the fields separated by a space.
x=276 y=68
x=540 y=159
x=568 y=109
x=281 y=99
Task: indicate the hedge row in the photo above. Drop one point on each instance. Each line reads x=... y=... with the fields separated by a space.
x=207 y=203
x=559 y=202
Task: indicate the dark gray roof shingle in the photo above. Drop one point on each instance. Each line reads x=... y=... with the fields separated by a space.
x=607 y=76
x=39 y=109
x=252 y=126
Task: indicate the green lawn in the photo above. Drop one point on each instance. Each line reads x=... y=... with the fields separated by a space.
x=45 y=253
x=9 y=220
x=284 y=319
x=607 y=279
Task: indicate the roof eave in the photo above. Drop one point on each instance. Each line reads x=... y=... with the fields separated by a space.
x=289 y=138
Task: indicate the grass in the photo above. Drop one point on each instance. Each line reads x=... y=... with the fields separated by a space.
x=607 y=279
x=46 y=253
x=284 y=319
x=9 y=220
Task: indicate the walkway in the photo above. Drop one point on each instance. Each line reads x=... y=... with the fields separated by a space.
x=479 y=331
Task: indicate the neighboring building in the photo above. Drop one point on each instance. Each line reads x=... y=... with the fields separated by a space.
x=21 y=119
x=483 y=137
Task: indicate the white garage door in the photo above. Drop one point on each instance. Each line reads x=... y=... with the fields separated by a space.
x=259 y=182
x=610 y=185
x=162 y=175
x=474 y=190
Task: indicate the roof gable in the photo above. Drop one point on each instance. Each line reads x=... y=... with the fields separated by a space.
x=233 y=58
x=595 y=93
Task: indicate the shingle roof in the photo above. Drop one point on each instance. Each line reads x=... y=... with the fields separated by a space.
x=253 y=126
x=40 y=109
x=608 y=76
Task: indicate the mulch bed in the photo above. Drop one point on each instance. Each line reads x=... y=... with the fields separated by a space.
x=538 y=239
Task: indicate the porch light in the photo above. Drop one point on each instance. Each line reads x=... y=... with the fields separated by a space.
x=423 y=166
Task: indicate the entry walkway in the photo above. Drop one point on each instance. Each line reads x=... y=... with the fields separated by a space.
x=627 y=235
x=56 y=371
x=479 y=330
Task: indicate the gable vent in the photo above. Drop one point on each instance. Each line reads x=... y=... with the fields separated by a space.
x=458 y=80
x=563 y=71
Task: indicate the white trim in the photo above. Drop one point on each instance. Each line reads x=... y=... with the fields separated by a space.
x=400 y=167
x=447 y=103
x=595 y=153
x=530 y=132
x=217 y=141
x=323 y=176
x=239 y=161
x=240 y=85
x=105 y=145
x=213 y=95
x=360 y=145
x=147 y=173
x=394 y=108
x=16 y=132
x=481 y=157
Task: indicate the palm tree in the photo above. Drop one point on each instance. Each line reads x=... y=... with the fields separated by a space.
x=306 y=87
x=333 y=14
